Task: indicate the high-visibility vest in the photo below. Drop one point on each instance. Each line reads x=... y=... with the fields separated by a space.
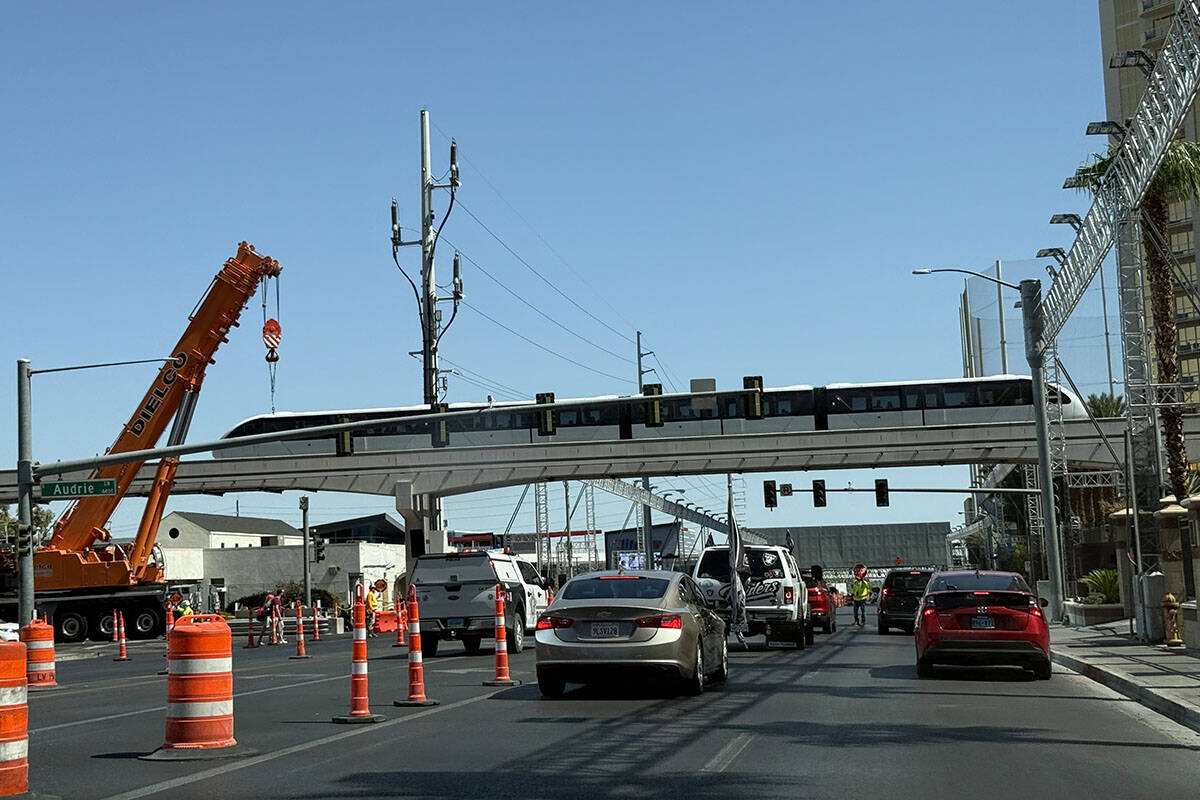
x=861 y=590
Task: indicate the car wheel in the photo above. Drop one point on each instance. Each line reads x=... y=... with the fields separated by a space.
x=833 y=626
x=809 y=633
x=883 y=628
x=695 y=684
x=429 y=647
x=924 y=668
x=800 y=636
x=550 y=685
x=722 y=673
x=471 y=644
x=516 y=631
x=70 y=625
x=1042 y=671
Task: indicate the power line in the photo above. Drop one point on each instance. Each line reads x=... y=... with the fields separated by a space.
x=539 y=311
x=542 y=346
x=541 y=238
x=535 y=271
x=517 y=392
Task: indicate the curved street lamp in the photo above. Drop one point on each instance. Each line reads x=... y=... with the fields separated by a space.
x=1034 y=325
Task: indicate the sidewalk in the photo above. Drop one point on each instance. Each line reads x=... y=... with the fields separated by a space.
x=1159 y=677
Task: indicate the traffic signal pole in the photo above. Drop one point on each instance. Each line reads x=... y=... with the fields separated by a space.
x=307 y=565
x=24 y=495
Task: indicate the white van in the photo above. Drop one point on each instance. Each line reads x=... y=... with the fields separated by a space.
x=457 y=597
x=776 y=596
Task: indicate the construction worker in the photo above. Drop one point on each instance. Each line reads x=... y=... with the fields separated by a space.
x=372 y=608
x=860 y=590
x=185 y=608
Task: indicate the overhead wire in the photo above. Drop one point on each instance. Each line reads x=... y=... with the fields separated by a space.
x=542 y=346
x=537 y=310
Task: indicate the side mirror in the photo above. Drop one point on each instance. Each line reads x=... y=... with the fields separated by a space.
x=1044 y=602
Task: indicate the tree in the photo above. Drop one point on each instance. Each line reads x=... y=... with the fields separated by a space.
x=1105 y=405
x=1177 y=177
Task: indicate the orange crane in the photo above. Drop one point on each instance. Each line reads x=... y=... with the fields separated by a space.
x=80 y=576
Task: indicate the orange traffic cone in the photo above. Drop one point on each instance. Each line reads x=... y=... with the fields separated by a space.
x=502 y=677
x=121 y=655
x=416 y=670
x=299 y=633
x=360 y=703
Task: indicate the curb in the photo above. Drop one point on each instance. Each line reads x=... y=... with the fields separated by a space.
x=1182 y=713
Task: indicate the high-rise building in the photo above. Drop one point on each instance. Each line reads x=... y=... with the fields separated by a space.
x=1129 y=25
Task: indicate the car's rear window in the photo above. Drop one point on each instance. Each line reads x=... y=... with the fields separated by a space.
x=714 y=564
x=909 y=581
x=453 y=568
x=978 y=581
x=764 y=564
x=623 y=587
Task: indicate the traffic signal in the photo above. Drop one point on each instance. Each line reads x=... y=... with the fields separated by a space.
x=881 y=492
x=318 y=548
x=545 y=417
x=785 y=489
x=818 y=494
x=769 y=498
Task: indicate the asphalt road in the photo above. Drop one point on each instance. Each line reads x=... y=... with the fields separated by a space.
x=846 y=717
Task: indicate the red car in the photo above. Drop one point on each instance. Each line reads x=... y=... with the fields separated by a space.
x=974 y=617
x=824 y=612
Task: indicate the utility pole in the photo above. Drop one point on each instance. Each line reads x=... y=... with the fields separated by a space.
x=307 y=568
x=24 y=495
x=427 y=299
x=647 y=526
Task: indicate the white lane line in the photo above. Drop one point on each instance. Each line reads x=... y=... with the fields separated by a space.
x=253 y=761
x=108 y=717
x=728 y=753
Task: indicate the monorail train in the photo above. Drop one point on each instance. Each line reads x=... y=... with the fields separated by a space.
x=838 y=406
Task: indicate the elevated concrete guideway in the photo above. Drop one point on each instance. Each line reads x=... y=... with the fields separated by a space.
x=456 y=470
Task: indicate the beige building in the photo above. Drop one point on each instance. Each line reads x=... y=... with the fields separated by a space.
x=1127 y=25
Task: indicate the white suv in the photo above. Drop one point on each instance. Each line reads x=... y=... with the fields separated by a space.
x=457 y=595
x=776 y=596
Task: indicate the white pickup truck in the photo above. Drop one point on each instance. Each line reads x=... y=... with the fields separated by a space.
x=776 y=596
x=457 y=596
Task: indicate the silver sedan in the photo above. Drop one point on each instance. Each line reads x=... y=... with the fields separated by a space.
x=604 y=625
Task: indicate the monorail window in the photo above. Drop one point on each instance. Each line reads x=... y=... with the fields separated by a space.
x=885 y=399
x=732 y=406
x=1000 y=393
x=844 y=401
x=787 y=404
x=959 y=396
x=912 y=398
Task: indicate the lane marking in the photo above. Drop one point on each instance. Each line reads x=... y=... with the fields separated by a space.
x=253 y=761
x=124 y=714
x=728 y=753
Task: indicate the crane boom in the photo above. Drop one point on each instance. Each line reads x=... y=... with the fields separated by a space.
x=84 y=523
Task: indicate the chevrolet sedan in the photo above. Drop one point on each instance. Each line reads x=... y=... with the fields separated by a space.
x=607 y=626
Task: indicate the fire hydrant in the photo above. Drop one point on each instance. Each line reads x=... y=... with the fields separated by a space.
x=1171 y=620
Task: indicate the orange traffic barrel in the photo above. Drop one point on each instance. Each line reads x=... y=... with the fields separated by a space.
x=360 y=701
x=14 y=721
x=199 y=691
x=39 y=643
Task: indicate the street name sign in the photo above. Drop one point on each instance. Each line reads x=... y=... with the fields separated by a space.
x=70 y=490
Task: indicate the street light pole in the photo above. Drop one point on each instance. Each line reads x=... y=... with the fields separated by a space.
x=24 y=495
x=1034 y=324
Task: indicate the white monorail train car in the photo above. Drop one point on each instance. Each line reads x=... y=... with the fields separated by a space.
x=838 y=406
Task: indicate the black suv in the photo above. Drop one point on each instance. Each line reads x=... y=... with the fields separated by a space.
x=900 y=597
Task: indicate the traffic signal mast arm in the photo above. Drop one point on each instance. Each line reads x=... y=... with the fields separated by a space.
x=208 y=327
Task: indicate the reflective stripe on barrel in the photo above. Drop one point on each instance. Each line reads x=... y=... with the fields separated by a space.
x=416 y=667
x=14 y=720
x=360 y=703
x=39 y=642
x=501 y=638
x=199 y=684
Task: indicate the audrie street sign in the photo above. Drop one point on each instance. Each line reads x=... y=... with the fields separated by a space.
x=70 y=490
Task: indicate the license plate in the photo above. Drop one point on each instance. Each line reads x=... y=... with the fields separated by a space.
x=457 y=622
x=983 y=623
x=605 y=630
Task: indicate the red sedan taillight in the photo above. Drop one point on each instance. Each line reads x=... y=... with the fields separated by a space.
x=547 y=622
x=1034 y=609
x=660 y=621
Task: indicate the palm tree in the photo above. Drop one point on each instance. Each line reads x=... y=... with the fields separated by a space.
x=1177 y=178
x=1105 y=405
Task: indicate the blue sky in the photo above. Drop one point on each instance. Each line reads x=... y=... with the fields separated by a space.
x=750 y=185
